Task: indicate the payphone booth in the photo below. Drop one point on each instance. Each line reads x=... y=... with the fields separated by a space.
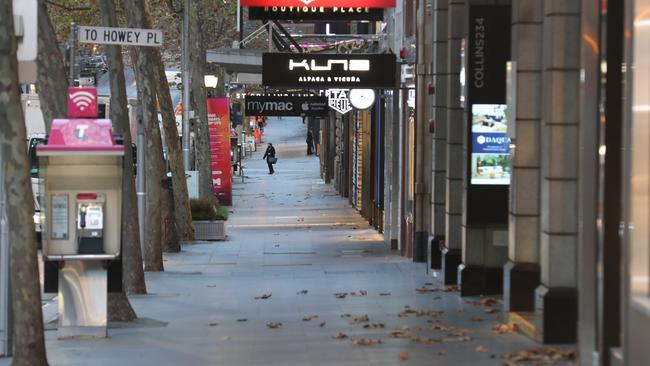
x=81 y=199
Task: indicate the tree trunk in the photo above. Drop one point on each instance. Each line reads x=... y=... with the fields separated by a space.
x=29 y=344
x=199 y=102
x=170 y=242
x=181 y=207
x=138 y=17
x=52 y=74
x=133 y=273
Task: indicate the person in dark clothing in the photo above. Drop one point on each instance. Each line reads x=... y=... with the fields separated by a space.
x=310 y=143
x=270 y=153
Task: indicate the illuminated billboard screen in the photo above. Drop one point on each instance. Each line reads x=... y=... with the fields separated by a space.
x=490 y=154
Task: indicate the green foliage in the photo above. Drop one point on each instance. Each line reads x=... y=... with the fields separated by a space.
x=207 y=209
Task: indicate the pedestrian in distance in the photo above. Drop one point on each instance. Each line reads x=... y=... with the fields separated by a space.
x=310 y=143
x=269 y=155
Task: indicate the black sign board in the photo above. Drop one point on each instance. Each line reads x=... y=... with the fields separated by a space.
x=286 y=105
x=489 y=168
x=314 y=13
x=329 y=71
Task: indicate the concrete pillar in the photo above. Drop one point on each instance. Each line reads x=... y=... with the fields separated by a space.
x=439 y=137
x=422 y=135
x=556 y=297
x=521 y=273
x=456 y=19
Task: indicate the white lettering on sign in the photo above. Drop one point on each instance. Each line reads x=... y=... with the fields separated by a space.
x=121 y=36
x=352 y=65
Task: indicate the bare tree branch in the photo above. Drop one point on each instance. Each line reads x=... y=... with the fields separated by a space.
x=68 y=7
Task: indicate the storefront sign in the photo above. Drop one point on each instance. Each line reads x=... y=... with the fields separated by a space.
x=339 y=100
x=314 y=13
x=286 y=105
x=329 y=70
x=321 y=3
x=219 y=134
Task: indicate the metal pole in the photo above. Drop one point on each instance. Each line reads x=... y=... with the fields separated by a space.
x=73 y=40
x=140 y=181
x=270 y=37
x=186 y=86
x=5 y=284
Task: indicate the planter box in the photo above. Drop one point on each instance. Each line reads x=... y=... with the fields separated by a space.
x=210 y=230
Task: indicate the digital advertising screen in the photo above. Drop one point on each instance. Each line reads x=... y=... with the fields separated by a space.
x=490 y=154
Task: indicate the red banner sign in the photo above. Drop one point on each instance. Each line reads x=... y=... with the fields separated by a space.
x=219 y=131
x=340 y=5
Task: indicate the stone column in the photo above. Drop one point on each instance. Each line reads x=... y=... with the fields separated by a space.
x=439 y=143
x=556 y=297
x=423 y=140
x=456 y=16
x=521 y=273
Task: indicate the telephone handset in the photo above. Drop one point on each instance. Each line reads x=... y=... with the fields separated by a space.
x=90 y=224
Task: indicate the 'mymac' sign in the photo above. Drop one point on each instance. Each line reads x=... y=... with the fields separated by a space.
x=286 y=105
x=329 y=71
x=323 y=3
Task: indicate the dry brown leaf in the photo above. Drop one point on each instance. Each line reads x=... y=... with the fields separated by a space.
x=505 y=328
x=322 y=324
x=309 y=318
x=424 y=340
x=341 y=295
x=340 y=335
x=404 y=332
x=361 y=319
x=364 y=341
x=302 y=292
x=450 y=289
x=403 y=356
x=242 y=320
x=213 y=324
x=384 y=294
x=481 y=348
x=374 y=325
x=424 y=290
x=345 y=315
x=540 y=355
x=437 y=297
x=490 y=310
x=488 y=301
x=476 y=319
x=456 y=339
x=264 y=296
x=273 y=325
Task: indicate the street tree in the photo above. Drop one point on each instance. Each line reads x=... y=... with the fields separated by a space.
x=137 y=15
x=132 y=272
x=29 y=343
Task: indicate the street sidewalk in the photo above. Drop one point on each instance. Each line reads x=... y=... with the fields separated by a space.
x=294 y=249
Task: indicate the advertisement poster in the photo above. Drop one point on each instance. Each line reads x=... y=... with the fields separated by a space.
x=219 y=131
x=490 y=145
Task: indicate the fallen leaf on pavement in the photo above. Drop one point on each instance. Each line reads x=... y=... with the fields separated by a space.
x=302 y=292
x=263 y=296
x=481 y=348
x=404 y=332
x=505 y=328
x=212 y=286
x=226 y=338
x=450 y=289
x=456 y=339
x=424 y=340
x=488 y=301
x=322 y=324
x=345 y=315
x=213 y=324
x=341 y=295
x=309 y=318
x=361 y=293
x=384 y=294
x=361 y=319
x=374 y=325
x=404 y=356
x=340 y=335
x=273 y=325
x=424 y=290
x=364 y=341
x=437 y=297
x=540 y=355
x=441 y=353
x=476 y=319
x=242 y=320
x=490 y=310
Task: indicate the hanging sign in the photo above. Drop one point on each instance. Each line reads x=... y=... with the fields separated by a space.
x=219 y=133
x=285 y=105
x=339 y=100
x=314 y=13
x=322 y=3
x=329 y=70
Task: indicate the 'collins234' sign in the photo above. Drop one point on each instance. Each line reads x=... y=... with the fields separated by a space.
x=329 y=71
x=323 y=3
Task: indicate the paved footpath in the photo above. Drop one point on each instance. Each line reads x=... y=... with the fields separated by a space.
x=294 y=240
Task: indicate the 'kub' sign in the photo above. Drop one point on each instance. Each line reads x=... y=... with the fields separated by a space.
x=82 y=103
x=121 y=36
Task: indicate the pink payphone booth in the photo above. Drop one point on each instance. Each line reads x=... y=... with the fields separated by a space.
x=81 y=200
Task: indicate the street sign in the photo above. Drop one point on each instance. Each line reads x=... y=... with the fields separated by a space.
x=329 y=70
x=322 y=3
x=121 y=36
x=82 y=102
x=286 y=105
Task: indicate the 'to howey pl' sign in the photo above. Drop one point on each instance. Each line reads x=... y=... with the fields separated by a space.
x=121 y=36
x=323 y=3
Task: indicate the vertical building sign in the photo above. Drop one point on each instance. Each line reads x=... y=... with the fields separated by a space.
x=488 y=165
x=219 y=132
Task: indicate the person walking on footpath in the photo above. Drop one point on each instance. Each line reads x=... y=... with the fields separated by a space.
x=269 y=155
x=310 y=143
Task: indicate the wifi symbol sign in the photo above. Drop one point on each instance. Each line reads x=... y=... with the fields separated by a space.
x=82 y=103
